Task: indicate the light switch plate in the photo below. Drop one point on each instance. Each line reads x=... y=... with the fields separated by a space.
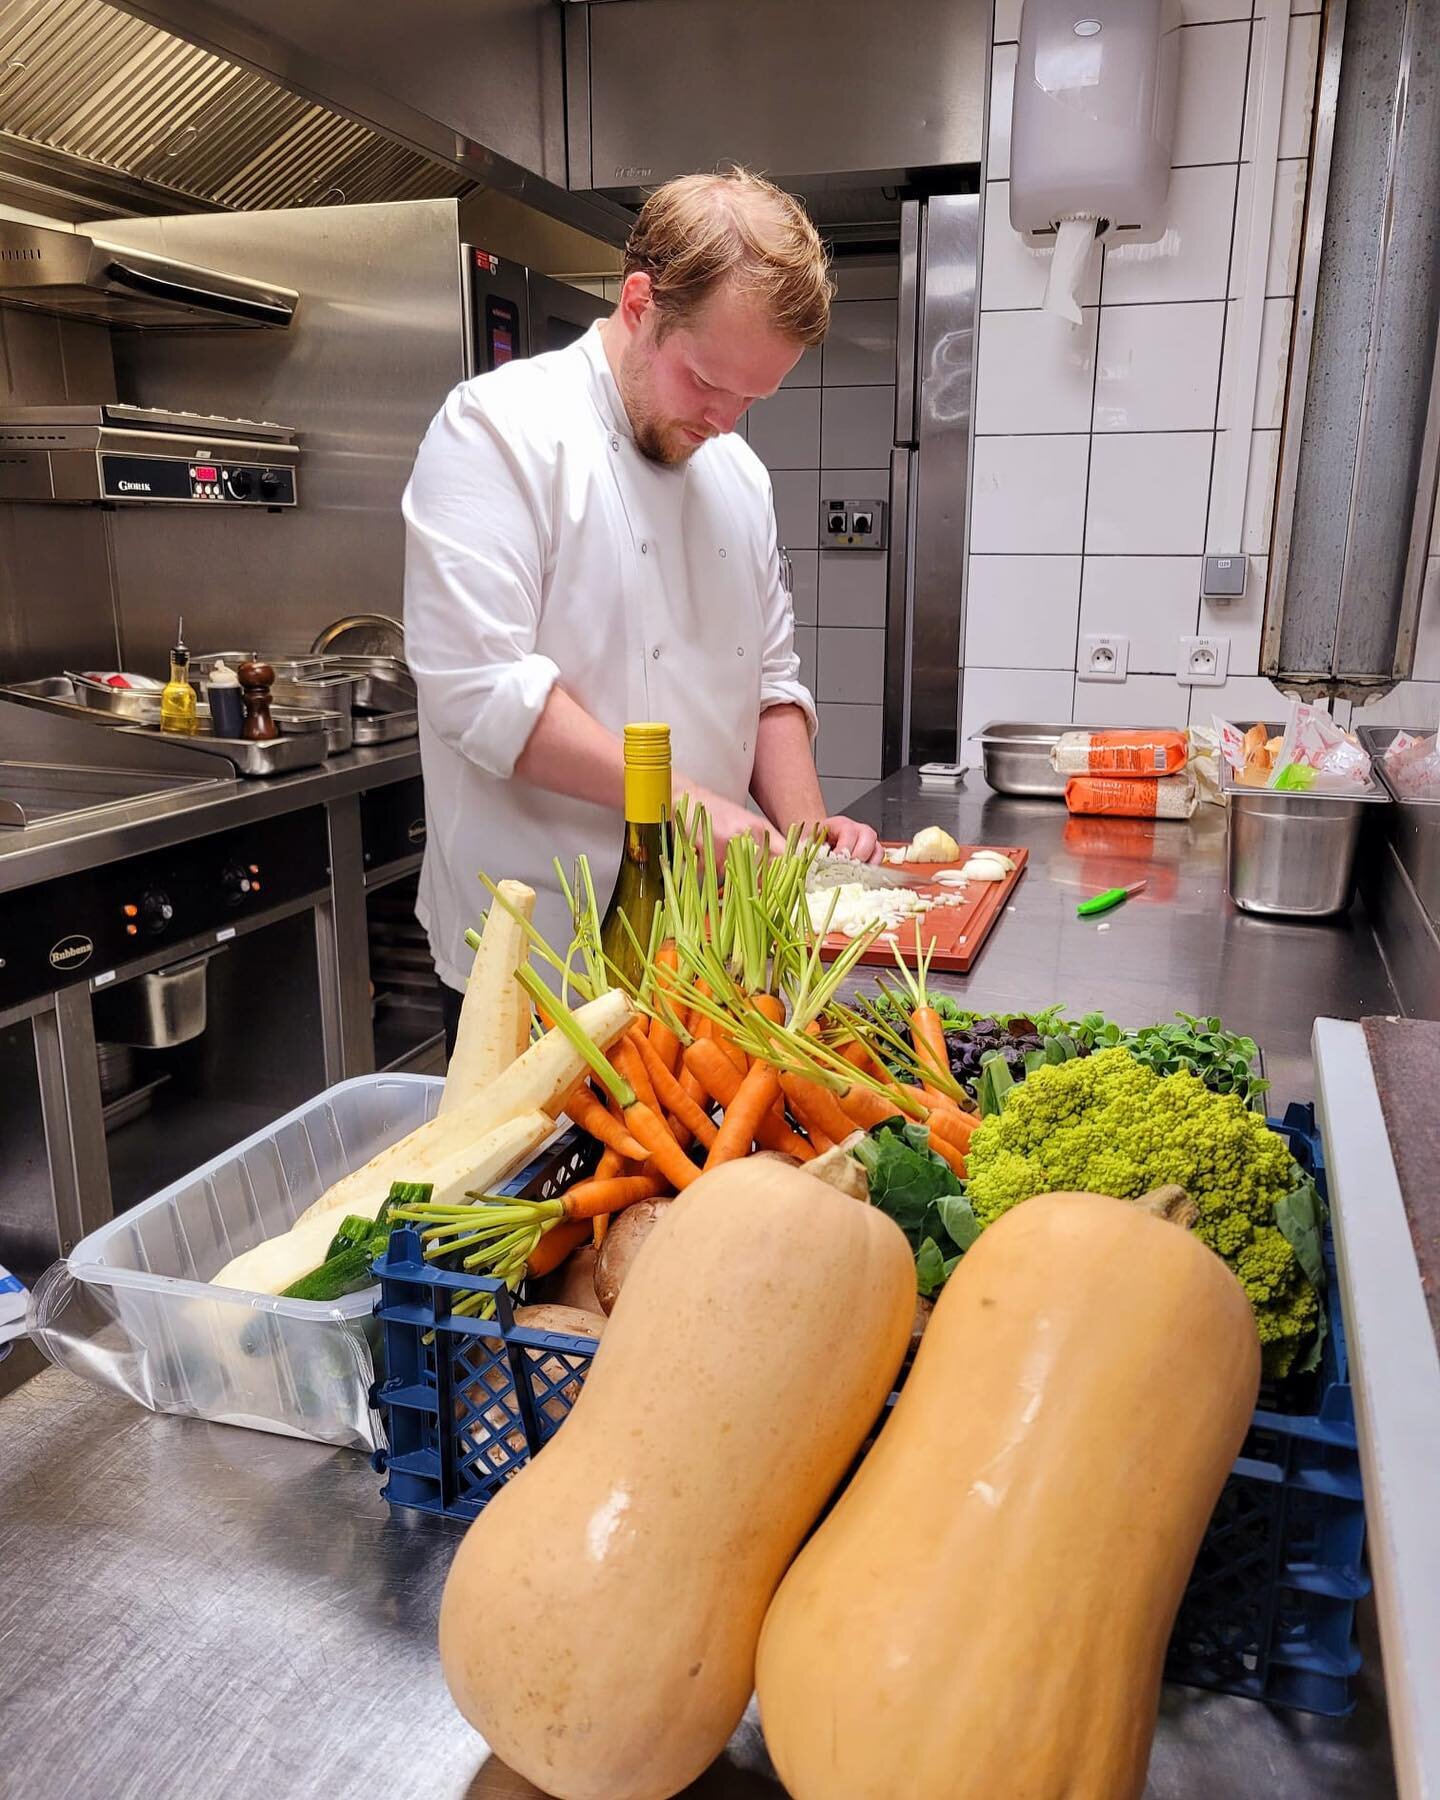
x=1224 y=577
x=1103 y=658
x=1204 y=661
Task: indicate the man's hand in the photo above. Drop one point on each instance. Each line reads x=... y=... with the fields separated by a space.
x=850 y=838
x=729 y=821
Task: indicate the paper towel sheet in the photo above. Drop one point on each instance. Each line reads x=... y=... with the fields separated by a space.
x=1069 y=264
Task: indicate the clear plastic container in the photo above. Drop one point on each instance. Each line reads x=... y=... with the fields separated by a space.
x=133 y=1309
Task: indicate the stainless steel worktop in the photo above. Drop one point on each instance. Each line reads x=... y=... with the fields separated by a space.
x=266 y=1628
x=45 y=851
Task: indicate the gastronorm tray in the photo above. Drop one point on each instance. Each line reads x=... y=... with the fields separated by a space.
x=1016 y=755
x=1293 y=855
x=950 y=936
x=1269 y=1611
x=305 y=738
x=384 y=727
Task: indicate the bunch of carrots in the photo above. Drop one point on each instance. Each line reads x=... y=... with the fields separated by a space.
x=740 y=1043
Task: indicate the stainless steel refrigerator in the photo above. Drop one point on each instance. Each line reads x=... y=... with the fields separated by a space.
x=930 y=477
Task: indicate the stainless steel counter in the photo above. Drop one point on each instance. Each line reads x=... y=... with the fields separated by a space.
x=256 y=1623
x=1179 y=945
x=45 y=851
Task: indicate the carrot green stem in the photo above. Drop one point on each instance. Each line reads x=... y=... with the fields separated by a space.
x=620 y=1091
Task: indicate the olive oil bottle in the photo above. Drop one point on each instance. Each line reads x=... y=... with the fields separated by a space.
x=639 y=886
x=177 y=697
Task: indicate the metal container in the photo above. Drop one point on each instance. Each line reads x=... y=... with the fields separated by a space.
x=1017 y=758
x=1414 y=822
x=1293 y=855
x=301 y=682
x=159 y=1010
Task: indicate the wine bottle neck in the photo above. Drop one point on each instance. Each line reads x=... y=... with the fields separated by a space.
x=647 y=795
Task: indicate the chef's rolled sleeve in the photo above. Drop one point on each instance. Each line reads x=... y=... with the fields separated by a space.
x=780 y=683
x=474 y=561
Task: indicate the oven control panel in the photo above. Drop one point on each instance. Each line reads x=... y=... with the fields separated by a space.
x=392 y=824
x=217 y=482
x=84 y=926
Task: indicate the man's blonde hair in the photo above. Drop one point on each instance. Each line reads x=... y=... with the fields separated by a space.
x=699 y=231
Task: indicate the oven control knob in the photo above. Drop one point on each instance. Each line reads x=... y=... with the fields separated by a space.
x=235 y=883
x=156 y=912
x=269 y=483
x=240 y=484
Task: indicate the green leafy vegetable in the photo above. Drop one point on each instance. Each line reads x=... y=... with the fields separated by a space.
x=923 y=1196
x=1222 y=1059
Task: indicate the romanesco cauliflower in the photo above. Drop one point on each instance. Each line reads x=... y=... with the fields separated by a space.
x=1106 y=1124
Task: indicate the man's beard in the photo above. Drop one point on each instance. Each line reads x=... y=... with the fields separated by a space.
x=651 y=433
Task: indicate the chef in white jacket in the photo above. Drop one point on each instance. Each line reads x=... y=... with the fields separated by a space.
x=589 y=543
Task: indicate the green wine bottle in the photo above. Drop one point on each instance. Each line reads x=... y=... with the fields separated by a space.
x=639 y=886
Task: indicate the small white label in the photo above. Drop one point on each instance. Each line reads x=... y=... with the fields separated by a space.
x=224 y=936
x=99 y=981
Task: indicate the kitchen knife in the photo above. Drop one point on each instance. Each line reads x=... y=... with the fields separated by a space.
x=1099 y=903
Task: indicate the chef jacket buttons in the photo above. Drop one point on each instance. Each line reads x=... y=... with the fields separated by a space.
x=644 y=548
x=614 y=443
x=722 y=553
x=655 y=654
x=739 y=649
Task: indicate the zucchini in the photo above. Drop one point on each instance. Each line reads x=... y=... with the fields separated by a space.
x=354 y=1247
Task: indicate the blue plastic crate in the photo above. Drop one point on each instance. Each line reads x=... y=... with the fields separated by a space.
x=1270 y=1609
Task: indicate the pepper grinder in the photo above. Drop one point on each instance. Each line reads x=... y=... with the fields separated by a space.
x=256 y=678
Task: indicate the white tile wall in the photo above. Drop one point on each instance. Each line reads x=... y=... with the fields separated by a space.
x=1042 y=696
x=1147 y=493
x=1409 y=703
x=829 y=430
x=1028 y=494
x=1035 y=373
x=857 y=427
x=1093 y=518
x=1151 y=600
x=1023 y=612
x=805 y=567
x=1015 y=274
x=852 y=586
x=785 y=429
x=1211 y=106
x=1142 y=700
x=1002 y=95
x=1159 y=367
x=1189 y=260
x=852 y=666
x=849 y=741
x=860 y=347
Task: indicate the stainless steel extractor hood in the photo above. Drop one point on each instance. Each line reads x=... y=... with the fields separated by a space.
x=81 y=277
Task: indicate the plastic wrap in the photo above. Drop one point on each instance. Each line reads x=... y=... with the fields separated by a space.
x=1311 y=755
x=1171 y=797
x=1146 y=754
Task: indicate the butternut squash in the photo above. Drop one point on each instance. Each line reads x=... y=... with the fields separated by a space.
x=986 y=1610
x=748 y=1355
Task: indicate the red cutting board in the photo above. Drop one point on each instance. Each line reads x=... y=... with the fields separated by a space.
x=955 y=934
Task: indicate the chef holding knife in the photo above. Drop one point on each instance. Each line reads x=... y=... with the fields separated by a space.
x=589 y=543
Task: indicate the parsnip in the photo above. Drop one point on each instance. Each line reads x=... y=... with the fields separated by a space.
x=538 y=1081
x=270 y=1267
x=495 y=1016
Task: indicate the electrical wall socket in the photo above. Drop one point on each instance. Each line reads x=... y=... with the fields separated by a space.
x=1103 y=658
x=1204 y=661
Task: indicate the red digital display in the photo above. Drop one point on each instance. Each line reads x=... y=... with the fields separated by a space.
x=204 y=472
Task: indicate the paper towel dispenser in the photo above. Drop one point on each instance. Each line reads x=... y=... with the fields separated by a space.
x=1094 y=116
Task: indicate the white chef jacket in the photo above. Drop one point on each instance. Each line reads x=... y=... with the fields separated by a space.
x=542 y=546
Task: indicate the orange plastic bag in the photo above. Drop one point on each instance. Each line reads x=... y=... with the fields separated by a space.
x=1134 y=754
x=1173 y=797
